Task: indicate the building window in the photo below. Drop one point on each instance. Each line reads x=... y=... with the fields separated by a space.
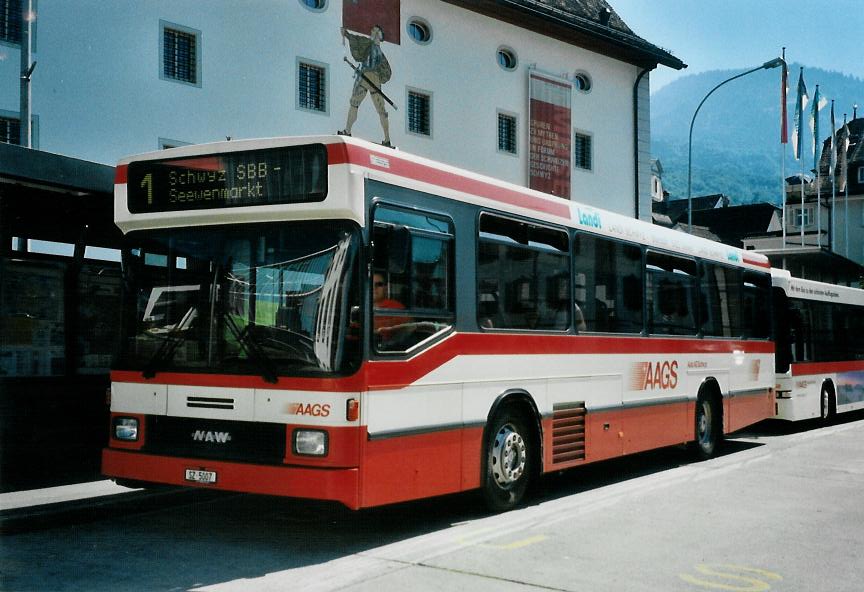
x=582 y=151
x=507 y=58
x=419 y=113
x=316 y=5
x=10 y=130
x=312 y=87
x=802 y=216
x=861 y=174
x=181 y=54
x=507 y=133
x=420 y=31
x=582 y=82
x=10 y=21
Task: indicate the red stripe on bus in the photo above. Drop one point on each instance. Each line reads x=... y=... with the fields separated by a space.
x=758 y=262
x=349 y=153
x=121 y=174
x=812 y=368
x=397 y=374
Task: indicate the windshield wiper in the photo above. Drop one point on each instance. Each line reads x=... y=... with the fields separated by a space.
x=253 y=349
x=172 y=340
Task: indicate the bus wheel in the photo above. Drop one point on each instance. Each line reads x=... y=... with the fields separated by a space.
x=827 y=405
x=707 y=428
x=508 y=462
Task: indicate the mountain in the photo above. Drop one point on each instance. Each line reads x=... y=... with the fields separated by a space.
x=736 y=136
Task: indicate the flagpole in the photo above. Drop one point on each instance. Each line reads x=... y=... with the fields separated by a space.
x=832 y=170
x=816 y=155
x=845 y=168
x=818 y=209
x=784 y=140
x=798 y=138
x=802 y=202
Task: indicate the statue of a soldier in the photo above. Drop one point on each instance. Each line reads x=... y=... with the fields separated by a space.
x=374 y=69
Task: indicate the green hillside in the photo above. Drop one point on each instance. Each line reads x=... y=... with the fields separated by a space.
x=736 y=136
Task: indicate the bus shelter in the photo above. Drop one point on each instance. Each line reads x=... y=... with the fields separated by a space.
x=59 y=316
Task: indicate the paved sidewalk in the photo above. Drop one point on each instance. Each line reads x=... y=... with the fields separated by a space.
x=16 y=500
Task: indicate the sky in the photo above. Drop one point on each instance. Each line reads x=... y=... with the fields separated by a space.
x=735 y=34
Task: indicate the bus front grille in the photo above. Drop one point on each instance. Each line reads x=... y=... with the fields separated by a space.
x=243 y=441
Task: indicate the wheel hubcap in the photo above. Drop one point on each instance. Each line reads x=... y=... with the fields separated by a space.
x=508 y=456
x=705 y=424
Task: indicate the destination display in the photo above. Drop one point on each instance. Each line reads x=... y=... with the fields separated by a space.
x=294 y=174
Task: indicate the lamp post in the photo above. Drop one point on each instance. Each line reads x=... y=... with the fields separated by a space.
x=766 y=66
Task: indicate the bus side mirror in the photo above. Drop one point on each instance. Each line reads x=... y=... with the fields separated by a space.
x=399 y=250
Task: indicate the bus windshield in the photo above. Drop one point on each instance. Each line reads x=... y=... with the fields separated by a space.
x=271 y=299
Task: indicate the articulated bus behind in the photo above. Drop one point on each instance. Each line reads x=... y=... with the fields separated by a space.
x=820 y=348
x=326 y=318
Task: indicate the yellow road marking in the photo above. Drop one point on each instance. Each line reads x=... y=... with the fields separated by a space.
x=735 y=575
x=470 y=540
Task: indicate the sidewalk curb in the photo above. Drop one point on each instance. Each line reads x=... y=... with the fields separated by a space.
x=21 y=520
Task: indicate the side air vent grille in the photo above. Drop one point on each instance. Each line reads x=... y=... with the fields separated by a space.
x=568 y=432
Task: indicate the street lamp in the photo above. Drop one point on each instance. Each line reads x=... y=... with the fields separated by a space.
x=766 y=66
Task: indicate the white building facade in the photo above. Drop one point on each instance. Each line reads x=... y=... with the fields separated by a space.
x=119 y=78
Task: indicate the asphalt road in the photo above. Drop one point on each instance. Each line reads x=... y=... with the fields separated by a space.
x=782 y=509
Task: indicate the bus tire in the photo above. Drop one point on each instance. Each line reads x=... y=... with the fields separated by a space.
x=708 y=427
x=508 y=460
x=827 y=404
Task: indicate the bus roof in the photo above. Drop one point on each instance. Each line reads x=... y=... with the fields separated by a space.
x=813 y=290
x=373 y=161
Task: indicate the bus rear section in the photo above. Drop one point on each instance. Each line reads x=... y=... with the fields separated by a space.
x=820 y=348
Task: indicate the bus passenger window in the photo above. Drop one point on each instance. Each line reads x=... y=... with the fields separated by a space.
x=719 y=301
x=756 y=305
x=412 y=281
x=670 y=294
x=523 y=276
x=608 y=285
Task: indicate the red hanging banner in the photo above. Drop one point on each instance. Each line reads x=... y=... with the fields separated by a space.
x=360 y=16
x=550 y=142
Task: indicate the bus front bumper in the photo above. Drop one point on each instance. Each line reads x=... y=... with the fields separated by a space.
x=340 y=485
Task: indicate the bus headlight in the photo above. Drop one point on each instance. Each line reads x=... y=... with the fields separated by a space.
x=310 y=442
x=126 y=428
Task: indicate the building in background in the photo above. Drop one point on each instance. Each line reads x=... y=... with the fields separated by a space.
x=551 y=94
x=826 y=245
x=59 y=315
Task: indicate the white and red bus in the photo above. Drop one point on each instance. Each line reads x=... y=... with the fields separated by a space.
x=820 y=348
x=325 y=318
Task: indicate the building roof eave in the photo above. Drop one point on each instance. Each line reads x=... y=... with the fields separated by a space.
x=566 y=26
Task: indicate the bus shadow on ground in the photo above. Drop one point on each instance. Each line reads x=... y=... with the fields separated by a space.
x=235 y=537
x=611 y=472
x=776 y=427
x=254 y=536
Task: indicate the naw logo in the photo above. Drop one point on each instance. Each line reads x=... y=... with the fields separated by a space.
x=655 y=376
x=208 y=436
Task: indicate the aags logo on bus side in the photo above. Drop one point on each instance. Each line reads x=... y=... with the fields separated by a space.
x=655 y=375
x=316 y=410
